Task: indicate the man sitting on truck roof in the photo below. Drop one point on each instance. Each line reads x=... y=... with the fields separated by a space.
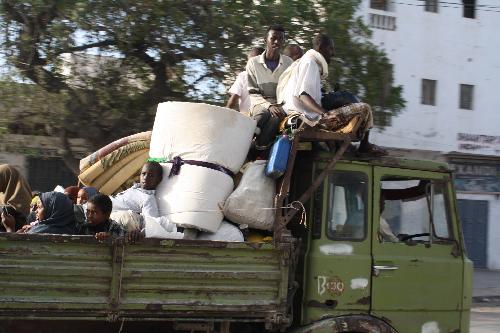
x=239 y=99
x=140 y=198
x=294 y=51
x=263 y=73
x=300 y=91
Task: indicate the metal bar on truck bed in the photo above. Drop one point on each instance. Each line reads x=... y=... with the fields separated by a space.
x=319 y=180
x=283 y=189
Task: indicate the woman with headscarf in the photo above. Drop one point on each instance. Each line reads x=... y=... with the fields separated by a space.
x=54 y=215
x=15 y=197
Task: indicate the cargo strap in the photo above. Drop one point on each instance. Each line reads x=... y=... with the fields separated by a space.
x=177 y=162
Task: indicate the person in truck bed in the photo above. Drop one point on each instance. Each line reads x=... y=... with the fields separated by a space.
x=54 y=215
x=98 y=221
x=84 y=194
x=72 y=192
x=15 y=198
x=140 y=198
x=299 y=89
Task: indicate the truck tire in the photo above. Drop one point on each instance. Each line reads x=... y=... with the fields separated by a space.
x=347 y=324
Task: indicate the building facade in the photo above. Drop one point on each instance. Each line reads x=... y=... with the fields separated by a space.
x=38 y=158
x=446 y=55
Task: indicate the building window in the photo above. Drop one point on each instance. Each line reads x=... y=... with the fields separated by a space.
x=384 y=22
x=466 y=95
x=431 y=6
x=469 y=8
x=429 y=92
x=379 y=4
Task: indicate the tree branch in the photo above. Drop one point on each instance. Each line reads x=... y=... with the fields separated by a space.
x=9 y=7
x=103 y=43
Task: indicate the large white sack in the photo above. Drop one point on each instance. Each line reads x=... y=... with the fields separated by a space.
x=193 y=197
x=202 y=132
x=226 y=233
x=253 y=199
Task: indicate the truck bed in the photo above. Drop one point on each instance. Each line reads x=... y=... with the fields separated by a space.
x=75 y=277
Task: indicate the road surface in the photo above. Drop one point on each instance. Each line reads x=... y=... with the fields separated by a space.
x=485 y=319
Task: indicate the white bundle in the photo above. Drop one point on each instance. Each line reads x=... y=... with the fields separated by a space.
x=161 y=227
x=226 y=233
x=252 y=201
x=202 y=132
x=199 y=132
x=193 y=197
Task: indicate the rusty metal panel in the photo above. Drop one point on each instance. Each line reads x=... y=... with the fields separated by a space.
x=66 y=277
x=54 y=274
x=180 y=278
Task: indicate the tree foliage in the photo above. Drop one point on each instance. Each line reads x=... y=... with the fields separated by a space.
x=106 y=64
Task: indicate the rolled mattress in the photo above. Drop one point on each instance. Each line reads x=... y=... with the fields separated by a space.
x=202 y=132
x=193 y=197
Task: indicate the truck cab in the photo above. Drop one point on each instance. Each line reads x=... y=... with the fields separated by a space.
x=384 y=251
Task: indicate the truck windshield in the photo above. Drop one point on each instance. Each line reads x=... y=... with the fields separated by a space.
x=347 y=193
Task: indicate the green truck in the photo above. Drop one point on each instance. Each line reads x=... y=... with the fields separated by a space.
x=381 y=251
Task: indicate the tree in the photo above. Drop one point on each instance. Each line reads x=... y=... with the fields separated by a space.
x=109 y=63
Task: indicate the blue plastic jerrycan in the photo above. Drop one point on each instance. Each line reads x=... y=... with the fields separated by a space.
x=278 y=158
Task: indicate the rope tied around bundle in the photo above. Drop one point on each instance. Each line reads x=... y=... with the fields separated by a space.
x=177 y=162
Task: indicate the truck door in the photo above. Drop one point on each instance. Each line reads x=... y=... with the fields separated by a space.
x=417 y=265
x=338 y=265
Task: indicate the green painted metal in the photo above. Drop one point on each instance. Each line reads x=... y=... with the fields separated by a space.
x=76 y=277
x=430 y=289
x=334 y=267
x=393 y=162
x=56 y=276
x=426 y=288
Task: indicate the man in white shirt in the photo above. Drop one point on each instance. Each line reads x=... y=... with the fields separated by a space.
x=239 y=99
x=263 y=73
x=140 y=198
x=299 y=89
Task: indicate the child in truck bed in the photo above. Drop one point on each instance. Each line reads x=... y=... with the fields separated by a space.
x=98 y=222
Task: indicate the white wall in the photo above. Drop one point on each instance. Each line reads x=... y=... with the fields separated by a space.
x=493 y=233
x=453 y=50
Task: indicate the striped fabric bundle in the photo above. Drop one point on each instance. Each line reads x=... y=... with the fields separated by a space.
x=115 y=167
